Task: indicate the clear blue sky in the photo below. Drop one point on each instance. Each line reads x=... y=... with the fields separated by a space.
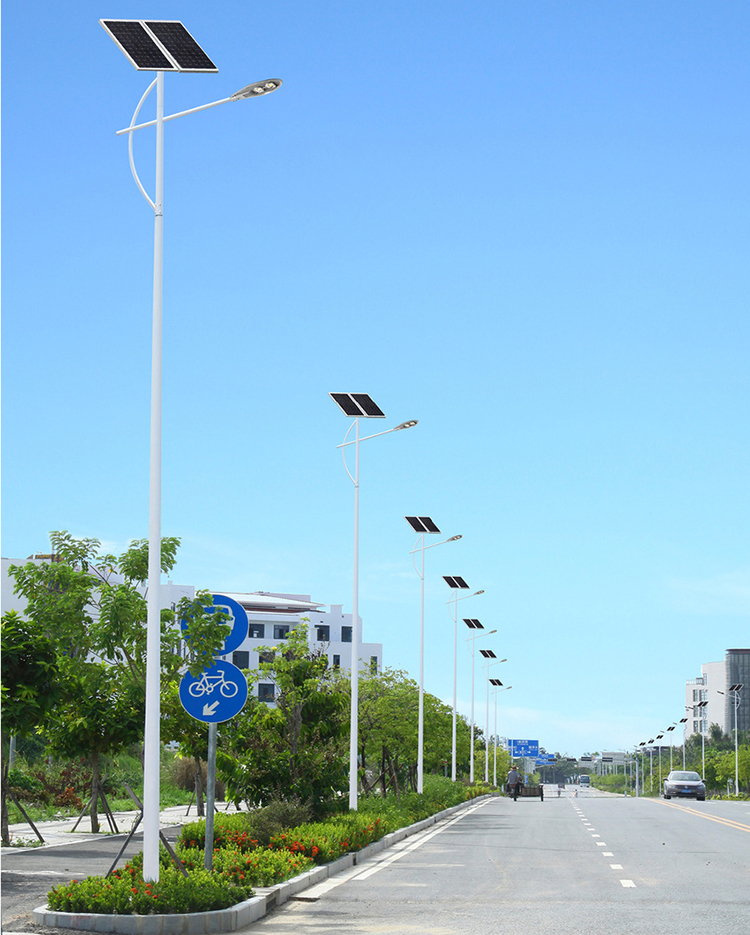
x=524 y=224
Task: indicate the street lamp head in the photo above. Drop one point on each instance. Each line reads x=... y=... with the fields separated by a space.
x=454 y=538
x=477 y=592
x=406 y=425
x=258 y=89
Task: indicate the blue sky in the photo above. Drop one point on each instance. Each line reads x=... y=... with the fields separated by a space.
x=524 y=225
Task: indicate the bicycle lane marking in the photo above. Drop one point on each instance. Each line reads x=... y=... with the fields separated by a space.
x=729 y=822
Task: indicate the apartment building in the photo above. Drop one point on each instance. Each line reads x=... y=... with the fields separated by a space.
x=708 y=699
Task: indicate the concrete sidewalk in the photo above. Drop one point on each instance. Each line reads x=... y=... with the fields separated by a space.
x=60 y=831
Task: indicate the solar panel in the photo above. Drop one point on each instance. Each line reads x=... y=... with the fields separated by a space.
x=346 y=404
x=495 y=682
x=158 y=45
x=357 y=404
x=138 y=44
x=421 y=524
x=461 y=582
x=473 y=624
x=488 y=654
x=370 y=409
x=181 y=46
x=455 y=581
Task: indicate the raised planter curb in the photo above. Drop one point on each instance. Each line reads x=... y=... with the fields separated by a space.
x=244 y=913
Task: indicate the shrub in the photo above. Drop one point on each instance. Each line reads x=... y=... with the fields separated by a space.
x=262 y=867
x=126 y=893
x=247 y=830
x=325 y=841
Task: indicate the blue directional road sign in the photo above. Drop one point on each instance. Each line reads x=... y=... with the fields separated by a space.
x=524 y=747
x=217 y=695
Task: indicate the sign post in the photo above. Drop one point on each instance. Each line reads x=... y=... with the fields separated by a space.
x=218 y=694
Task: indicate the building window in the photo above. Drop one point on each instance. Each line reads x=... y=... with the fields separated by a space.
x=265 y=656
x=256 y=631
x=346 y=634
x=696 y=693
x=280 y=631
x=241 y=659
x=336 y=661
x=373 y=665
x=323 y=634
x=265 y=692
x=704 y=695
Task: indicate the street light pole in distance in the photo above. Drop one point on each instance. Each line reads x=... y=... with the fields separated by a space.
x=456 y=583
x=357 y=406
x=473 y=624
x=160 y=46
x=424 y=526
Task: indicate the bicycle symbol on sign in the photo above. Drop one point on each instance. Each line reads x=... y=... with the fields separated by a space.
x=207 y=683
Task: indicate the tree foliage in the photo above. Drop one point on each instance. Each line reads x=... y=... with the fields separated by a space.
x=295 y=750
x=90 y=610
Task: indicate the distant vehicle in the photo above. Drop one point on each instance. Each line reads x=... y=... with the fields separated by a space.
x=684 y=784
x=584 y=780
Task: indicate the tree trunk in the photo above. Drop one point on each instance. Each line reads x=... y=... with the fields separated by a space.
x=4 y=832
x=199 y=787
x=383 y=786
x=94 y=793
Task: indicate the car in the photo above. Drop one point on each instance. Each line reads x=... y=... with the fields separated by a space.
x=684 y=784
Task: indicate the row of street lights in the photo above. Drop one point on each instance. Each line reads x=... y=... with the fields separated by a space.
x=734 y=691
x=361 y=406
x=167 y=46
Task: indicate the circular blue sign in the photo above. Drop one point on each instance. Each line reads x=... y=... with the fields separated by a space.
x=217 y=695
x=237 y=621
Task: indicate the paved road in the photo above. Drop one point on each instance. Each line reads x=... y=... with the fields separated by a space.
x=587 y=865
x=591 y=865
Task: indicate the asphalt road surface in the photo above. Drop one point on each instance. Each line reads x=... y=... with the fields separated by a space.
x=586 y=865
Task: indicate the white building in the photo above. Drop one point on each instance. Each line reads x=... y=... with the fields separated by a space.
x=712 y=686
x=271 y=617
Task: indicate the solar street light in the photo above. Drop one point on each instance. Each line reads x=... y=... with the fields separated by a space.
x=495 y=694
x=456 y=583
x=423 y=525
x=160 y=46
x=357 y=406
x=490 y=681
x=735 y=690
x=487 y=654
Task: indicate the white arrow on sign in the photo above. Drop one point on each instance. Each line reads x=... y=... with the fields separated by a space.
x=208 y=709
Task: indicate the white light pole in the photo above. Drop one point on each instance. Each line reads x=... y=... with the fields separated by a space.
x=683 y=721
x=456 y=582
x=138 y=40
x=495 y=694
x=734 y=691
x=470 y=640
x=357 y=405
x=669 y=730
x=488 y=664
x=424 y=525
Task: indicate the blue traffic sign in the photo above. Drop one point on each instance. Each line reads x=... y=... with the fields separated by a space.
x=524 y=747
x=237 y=620
x=217 y=695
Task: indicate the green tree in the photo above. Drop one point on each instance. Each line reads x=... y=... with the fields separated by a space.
x=30 y=688
x=92 y=608
x=297 y=748
x=389 y=727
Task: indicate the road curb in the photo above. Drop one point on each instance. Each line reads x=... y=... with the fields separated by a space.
x=244 y=913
